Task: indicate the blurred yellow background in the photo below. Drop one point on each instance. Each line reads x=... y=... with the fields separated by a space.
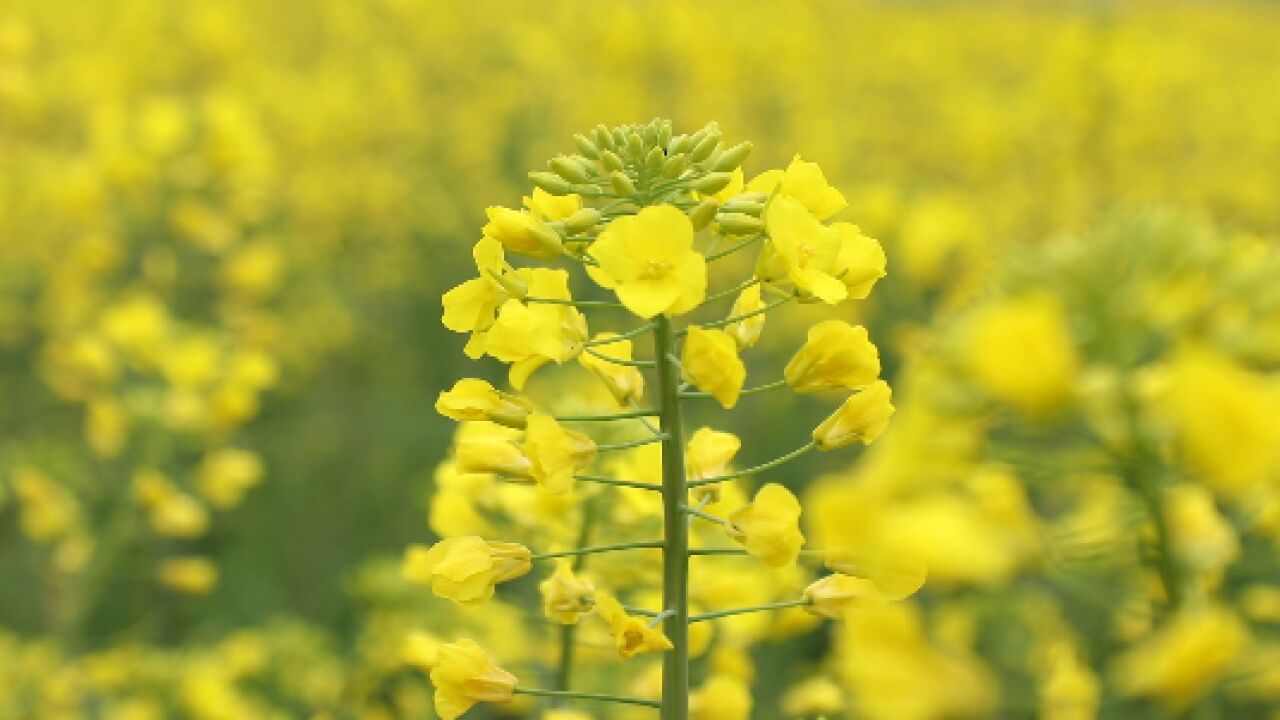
x=225 y=229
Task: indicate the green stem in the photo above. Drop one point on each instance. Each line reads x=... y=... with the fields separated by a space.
x=716 y=551
x=744 y=316
x=731 y=291
x=1141 y=465
x=602 y=697
x=753 y=608
x=754 y=470
x=620 y=361
x=597 y=549
x=607 y=417
x=675 y=528
x=698 y=512
x=620 y=336
x=735 y=248
x=633 y=443
x=575 y=303
x=749 y=391
x=602 y=480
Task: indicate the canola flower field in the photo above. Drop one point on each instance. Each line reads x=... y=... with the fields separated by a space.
x=377 y=359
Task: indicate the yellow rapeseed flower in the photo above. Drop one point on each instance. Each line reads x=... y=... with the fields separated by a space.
x=565 y=595
x=710 y=361
x=833 y=595
x=747 y=332
x=802 y=251
x=631 y=634
x=802 y=181
x=554 y=453
x=863 y=416
x=836 y=355
x=471 y=399
x=624 y=382
x=466 y=569
x=769 y=527
x=464 y=675
x=649 y=261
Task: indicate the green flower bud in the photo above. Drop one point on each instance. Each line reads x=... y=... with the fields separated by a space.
x=551 y=183
x=604 y=140
x=733 y=223
x=702 y=215
x=704 y=148
x=586 y=147
x=679 y=144
x=674 y=166
x=711 y=183
x=653 y=161
x=758 y=197
x=635 y=145
x=732 y=158
x=664 y=133
x=568 y=169
x=649 y=134
x=622 y=184
x=547 y=237
x=581 y=220
x=610 y=160
x=748 y=207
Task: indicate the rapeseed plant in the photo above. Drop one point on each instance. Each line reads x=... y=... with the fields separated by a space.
x=649 y=217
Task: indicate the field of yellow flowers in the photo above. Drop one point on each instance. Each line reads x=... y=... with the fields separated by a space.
x=946 y=333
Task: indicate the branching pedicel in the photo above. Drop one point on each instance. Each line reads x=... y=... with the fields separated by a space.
x=651 y=217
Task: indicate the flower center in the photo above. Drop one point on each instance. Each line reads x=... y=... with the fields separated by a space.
x=654 y=269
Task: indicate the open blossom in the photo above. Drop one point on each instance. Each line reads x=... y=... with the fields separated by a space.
x=632 y=634
x=710 y=361
x=709 y=453
x=802 y=251
x=466 y=569
x=804 y=182
x=523 y=233
x=832 y=596
x=624 y=382
x=863 y=416
x=836 y=355
x=490 y=448
x=472 y=306
x=554 y=453
x=472 y=399
x=565 y=595
x=530 y=335
x=649 y=261
x=861 y=261
x=546 y=206
x=464 y=675
x=770 y=526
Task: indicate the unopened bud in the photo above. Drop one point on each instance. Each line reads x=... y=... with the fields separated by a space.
x=664 y=133
x=732 y=158
x=569 y=169
x=653 y=161
x=622 y=184
x=581 y=220
x=679 y=144
x=702 y=215
x=756 y=196
x=649 y=134
x=675 y=165
x=733 y=223
x=610 y=160
x=586 y=147
x=604 y=140
x=547 y=237
x=711 y=183
x=551 y=183
x=748 y=207
x=704 y=148
x=635 y=145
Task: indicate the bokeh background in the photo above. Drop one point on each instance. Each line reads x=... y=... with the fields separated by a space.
x=225 y=229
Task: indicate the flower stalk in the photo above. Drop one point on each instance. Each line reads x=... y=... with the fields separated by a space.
x=675 y=528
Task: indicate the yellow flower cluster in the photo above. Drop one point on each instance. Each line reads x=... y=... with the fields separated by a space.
x=648 y=215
